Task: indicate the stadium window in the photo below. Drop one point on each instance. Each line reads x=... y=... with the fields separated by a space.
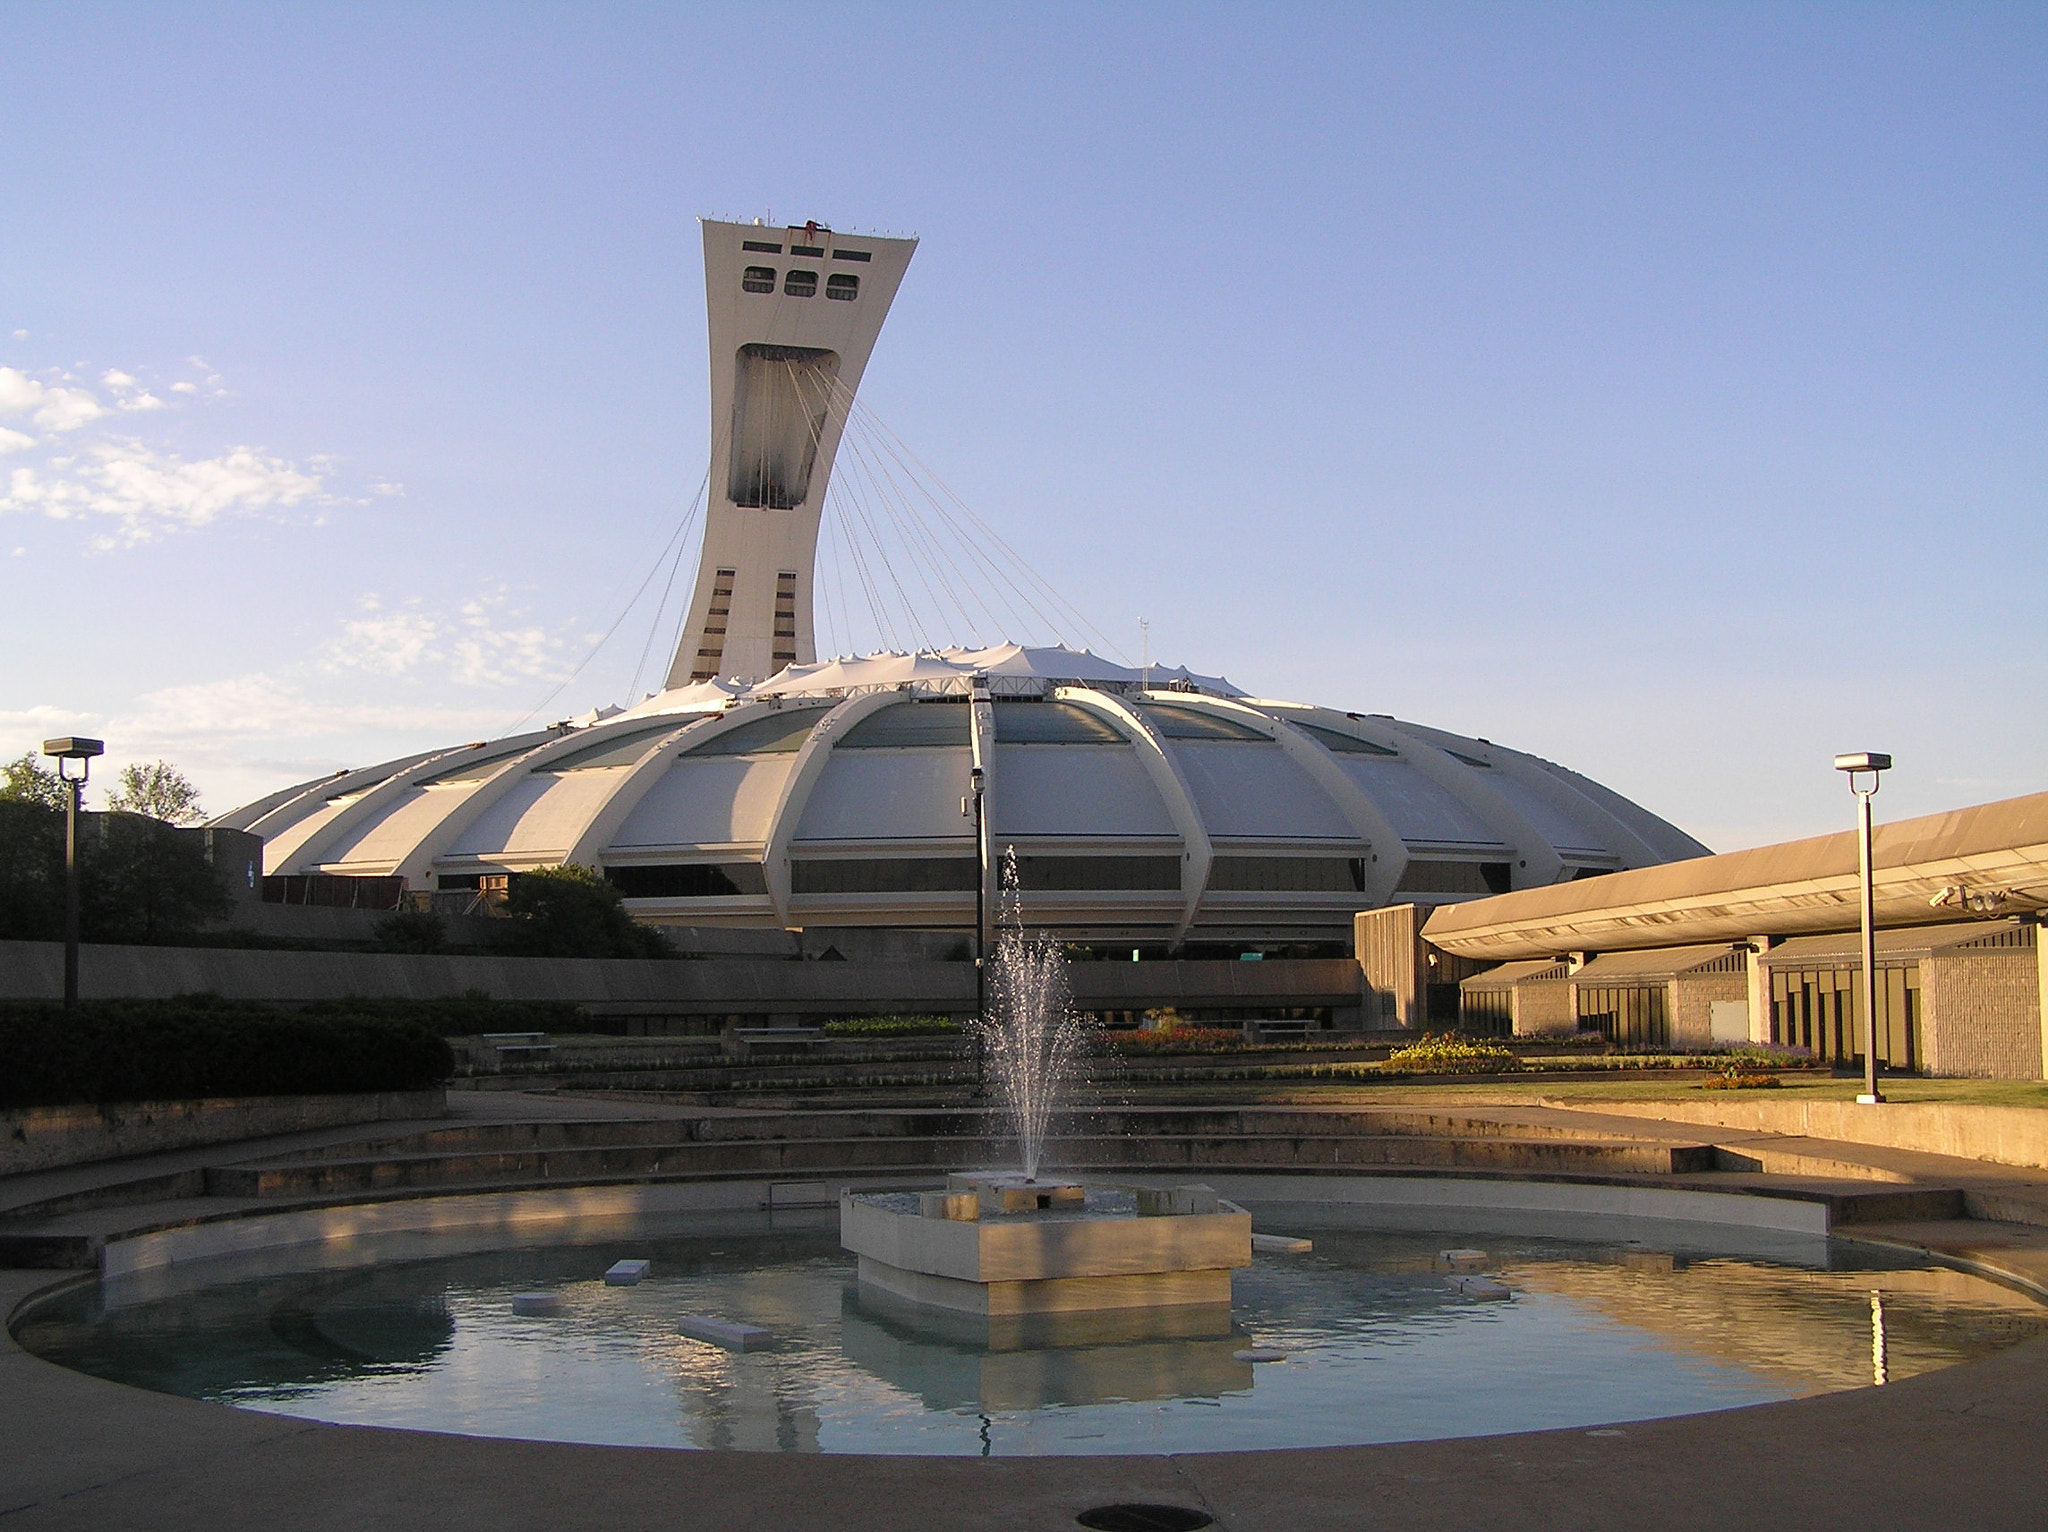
x=758 y=279
x=842 y=286
x=800 y=284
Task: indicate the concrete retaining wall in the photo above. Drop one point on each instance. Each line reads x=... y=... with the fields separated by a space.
x=763 y=991
x=50 y=1137
x=2008 y=1135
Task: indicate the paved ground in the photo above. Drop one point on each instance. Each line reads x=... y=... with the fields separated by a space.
x=1961 y=1448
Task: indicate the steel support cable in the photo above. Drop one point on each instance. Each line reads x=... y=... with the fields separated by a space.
x=877 y=607
x=967 y=581
x=885 y=630
x=1004 y=580
x=999 y=614
x=823 y=587
x=882 y=555
x=682 y=531
x=922 y=472
x=1004 y=584
x=917 y=538
x=916 y=542
x=849 y=535
x=654 y=622
x=875 y=603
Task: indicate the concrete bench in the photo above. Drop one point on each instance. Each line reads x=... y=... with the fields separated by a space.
x=519 y=1044
x=749 y=1039
x=1268 y=1031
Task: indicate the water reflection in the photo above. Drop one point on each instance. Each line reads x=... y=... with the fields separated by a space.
x=1031 y=1362
x=1379 y=1345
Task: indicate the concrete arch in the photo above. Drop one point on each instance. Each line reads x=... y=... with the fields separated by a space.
x=1536 y=861
x=796 y=791
x=1197 y=852
x=604 y=821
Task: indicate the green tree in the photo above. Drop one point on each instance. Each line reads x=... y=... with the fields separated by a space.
x=411 y=930
x=31 y=870
x=571 y=911
x=27 y=780
x=146 y=881
x=140 y=880
x=158 y=789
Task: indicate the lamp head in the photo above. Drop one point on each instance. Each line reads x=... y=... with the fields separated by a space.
x=74 y=748
x=1863 y=760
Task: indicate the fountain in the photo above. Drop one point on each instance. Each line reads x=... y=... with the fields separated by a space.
x=1015 y=1242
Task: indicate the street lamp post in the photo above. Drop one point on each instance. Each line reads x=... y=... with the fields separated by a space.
x=981 y=735
x=1872 y=764
x=82 y=751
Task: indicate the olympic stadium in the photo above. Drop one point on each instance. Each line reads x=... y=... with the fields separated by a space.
x=764 y=787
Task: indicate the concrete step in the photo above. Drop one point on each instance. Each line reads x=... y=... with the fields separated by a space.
x=322 y=1177
x=965 y=1123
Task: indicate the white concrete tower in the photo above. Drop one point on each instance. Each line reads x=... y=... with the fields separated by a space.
x=794 y=313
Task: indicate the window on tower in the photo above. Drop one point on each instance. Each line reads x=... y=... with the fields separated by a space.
x=758 y=279
x=801 y=284
x=842 y=286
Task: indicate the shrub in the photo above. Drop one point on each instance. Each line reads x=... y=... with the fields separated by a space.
x=201 y=1046
x=892 y=1026
x=1179 y=1039
x=1448 y=1053
x=1736 y=1081
x=417 y=931
x=466 y=1015
x=571 y=911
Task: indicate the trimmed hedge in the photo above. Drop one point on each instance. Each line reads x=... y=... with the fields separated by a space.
x=892 y=1026
x=460 y=1015
x=173 y=1050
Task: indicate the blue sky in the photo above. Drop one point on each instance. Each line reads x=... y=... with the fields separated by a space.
x=1656 y=388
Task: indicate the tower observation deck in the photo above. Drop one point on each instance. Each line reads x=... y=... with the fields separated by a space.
x=793 y=313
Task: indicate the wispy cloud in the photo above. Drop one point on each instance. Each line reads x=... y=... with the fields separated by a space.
x=483 y=642
x=53 y=406
x=127 y=490
x=261 y=706
x=146 y=493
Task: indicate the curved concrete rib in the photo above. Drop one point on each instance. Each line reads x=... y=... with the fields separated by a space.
x=796 y=790
x=1197 y=852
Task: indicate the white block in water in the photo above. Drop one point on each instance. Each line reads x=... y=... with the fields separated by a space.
x=1282 y=1244
x=723 y=1332
x=1484 y=1288
x=1259 y=1354
x=536 y=1303
x=626 y=1273
x=1462 y=1257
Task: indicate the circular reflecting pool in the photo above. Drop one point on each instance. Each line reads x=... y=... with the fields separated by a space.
x=1372 y=1336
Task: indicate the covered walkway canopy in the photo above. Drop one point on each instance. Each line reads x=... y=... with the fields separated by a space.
x=1988 y=860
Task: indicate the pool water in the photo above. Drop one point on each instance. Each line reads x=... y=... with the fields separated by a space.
x=1375 y=1342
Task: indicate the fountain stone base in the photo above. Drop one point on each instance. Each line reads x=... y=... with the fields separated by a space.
x=1005 y=1245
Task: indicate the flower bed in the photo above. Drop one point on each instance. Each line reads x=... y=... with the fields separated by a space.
x=1447 y=1053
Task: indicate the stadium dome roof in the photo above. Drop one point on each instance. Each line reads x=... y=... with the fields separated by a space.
x=1166 y=806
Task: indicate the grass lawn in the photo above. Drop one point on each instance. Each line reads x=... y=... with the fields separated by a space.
x=1539 y=1092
